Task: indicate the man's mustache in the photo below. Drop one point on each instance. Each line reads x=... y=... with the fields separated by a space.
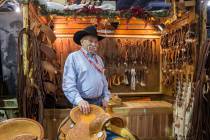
x=92 y=47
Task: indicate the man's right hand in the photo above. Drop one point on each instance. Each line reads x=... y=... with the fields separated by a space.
x=84 y=107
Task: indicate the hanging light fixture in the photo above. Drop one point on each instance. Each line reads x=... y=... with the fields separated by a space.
x=17 y=9
x=208 y=3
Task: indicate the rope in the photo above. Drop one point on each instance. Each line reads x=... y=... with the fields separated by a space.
x=199 y=126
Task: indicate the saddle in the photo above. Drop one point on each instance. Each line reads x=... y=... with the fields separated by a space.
x=21 y=129
x=89 y=127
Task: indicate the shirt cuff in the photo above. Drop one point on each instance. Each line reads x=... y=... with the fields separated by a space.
x=107 y=98
x=77 y=100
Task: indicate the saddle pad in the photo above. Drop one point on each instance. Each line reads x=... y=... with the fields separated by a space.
x=113 y=136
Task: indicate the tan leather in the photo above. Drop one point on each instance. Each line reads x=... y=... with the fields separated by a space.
x=79 y=128
x=49 y=33
x=50 y=87
x=102 y=121
x=49 y=67
x=21 y=129
x=81 y=132
x=26 y=137
x=115 y=101
x=77 y=116
x=48 y=51
x=65 y=125
x=91 y=126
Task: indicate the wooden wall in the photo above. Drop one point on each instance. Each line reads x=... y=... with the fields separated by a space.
x=134 y=29
x=68 y=26
x=64 y=29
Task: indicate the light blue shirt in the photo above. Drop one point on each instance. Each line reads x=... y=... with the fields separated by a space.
x=83 y=80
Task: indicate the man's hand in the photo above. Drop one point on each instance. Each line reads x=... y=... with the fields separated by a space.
x=84 y=107
x=105 y=103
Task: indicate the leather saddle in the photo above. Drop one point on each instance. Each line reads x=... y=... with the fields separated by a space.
x=89 y=127
x=21 y=129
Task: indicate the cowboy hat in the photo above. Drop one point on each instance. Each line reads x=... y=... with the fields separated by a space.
x=90 y=30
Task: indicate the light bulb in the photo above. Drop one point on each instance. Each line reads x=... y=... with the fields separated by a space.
x=17 y=9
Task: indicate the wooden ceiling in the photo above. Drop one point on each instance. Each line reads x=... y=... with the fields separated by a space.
x=137 y=27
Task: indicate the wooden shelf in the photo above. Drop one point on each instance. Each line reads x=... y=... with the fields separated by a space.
x=138 y=93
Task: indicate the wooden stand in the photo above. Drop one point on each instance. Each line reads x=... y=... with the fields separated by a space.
x=147 y=119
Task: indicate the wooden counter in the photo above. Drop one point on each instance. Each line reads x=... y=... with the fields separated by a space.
x=148 y=119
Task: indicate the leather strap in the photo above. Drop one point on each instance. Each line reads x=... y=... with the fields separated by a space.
x=96 y=66
x=101 y=121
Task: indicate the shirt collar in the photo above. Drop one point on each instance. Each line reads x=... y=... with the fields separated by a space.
x=86 y=52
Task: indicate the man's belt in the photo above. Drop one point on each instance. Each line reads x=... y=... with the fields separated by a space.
x=96 y=101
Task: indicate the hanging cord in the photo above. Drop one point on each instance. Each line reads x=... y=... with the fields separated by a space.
x=30 y=86
x=199 y=126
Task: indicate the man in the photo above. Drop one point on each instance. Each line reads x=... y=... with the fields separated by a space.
x=84 y=81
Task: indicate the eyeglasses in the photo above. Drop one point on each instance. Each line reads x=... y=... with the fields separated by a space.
x=93 y=41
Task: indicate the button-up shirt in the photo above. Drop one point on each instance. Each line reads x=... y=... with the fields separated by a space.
x=83 y=80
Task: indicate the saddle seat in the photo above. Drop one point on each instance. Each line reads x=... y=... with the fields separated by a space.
x=93 y=126
x=21 y=129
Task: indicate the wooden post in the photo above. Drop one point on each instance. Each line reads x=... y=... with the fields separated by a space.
x=201 y=11
x=25 y=8
x=203 y=16
x=174 y=10
x=200 y=110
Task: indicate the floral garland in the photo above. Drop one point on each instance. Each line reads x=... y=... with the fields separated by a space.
x=92 y=11
x=137 y=12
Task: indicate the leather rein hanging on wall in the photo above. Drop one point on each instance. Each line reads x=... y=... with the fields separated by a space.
x=128 y=61
x=44 y=72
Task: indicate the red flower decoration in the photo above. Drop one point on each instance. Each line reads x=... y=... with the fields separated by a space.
x=85 y=9
x=94 y=10
x=137 y=11
x=89 y=10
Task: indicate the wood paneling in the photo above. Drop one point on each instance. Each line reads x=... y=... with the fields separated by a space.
x=68 y=26
x=120 y=27
x=64 y=46
x=134 y=29
x=147 y=119
x=60 y=19
x=118 y=32
x=52 y=120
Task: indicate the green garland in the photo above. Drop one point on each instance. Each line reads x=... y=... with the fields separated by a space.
x=24 y=1
x=102 y=14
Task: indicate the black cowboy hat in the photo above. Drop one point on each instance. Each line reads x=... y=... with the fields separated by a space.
x=90 y=30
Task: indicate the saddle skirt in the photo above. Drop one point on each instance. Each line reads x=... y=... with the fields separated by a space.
x=91 y=126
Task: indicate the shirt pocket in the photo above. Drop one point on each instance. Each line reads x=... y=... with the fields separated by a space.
x=82 y=67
